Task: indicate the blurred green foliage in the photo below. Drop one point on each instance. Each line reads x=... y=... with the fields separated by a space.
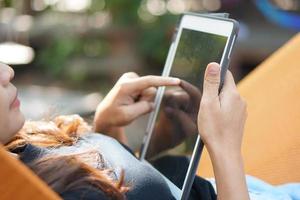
x=152 y=39
x=7 y=2
x=58 y=53
x=123 y=13
x=57 y=45
x=155 y=38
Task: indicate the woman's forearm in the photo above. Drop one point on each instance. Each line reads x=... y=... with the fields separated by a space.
x=230 y=176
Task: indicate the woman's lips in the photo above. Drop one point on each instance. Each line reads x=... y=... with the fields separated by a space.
x=16 y=102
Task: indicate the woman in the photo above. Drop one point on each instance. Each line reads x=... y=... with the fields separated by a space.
x=80 y=165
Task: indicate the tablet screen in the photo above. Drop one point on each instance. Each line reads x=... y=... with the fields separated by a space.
x=175 y=131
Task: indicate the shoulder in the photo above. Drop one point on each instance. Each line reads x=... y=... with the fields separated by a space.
x=104 y=140
x=84 y=193
x=98 y=137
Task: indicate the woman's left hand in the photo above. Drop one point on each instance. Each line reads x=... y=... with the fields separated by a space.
x=131 y=97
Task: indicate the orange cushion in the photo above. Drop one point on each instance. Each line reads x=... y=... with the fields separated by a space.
x=18 y=182
x=271 y=147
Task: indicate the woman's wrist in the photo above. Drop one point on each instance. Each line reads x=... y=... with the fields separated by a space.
x=229 y=172
x=118 y=133
x=115 y=132
x=220 y=152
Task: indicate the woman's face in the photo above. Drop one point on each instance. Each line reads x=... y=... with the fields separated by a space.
x=11 y=118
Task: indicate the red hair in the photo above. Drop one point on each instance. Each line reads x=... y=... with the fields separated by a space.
x=64 y=173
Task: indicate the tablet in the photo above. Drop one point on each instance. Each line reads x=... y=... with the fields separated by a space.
x=172 y=144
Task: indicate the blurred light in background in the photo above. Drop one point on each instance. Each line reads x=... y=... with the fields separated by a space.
x=282 y=17
x=7 y=14
x=62 y=5
x=51 y=2
x=156 y=7
x=144 y=14
x=23 y=23
x=150 y=9
x=14 y=29
x=73 y=5
x=38 y=5
x=15 y=54
x=176 y=6
x=99 y=19
x=287 y=4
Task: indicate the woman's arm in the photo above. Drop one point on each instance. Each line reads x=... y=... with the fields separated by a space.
x=221 y=122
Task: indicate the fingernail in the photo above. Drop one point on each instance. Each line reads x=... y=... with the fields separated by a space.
x=176 y=80
x=213 y=69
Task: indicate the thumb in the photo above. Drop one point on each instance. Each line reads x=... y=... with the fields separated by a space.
x=211 y=81
x=138 y=109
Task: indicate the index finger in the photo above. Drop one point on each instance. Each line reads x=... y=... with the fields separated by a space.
x=145 y=82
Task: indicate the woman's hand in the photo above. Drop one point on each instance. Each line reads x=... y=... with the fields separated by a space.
x=221 y=117
x=221 y=121
x=131 y=97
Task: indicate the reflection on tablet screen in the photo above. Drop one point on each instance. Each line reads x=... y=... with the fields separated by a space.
x=175 y=132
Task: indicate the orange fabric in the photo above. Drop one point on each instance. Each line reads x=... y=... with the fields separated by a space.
x=18 y=182
x=271 y=147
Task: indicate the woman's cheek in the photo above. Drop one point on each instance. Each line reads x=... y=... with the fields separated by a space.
x=16 y=121
x=12 y=120
x=4 y=116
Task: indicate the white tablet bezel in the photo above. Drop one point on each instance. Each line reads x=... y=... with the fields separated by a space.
x=213 y=25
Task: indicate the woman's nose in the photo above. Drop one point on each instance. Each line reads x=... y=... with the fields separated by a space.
x=6 y=74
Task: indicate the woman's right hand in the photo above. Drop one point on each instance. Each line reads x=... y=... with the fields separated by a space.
x=131 y=97
x=221 y=121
